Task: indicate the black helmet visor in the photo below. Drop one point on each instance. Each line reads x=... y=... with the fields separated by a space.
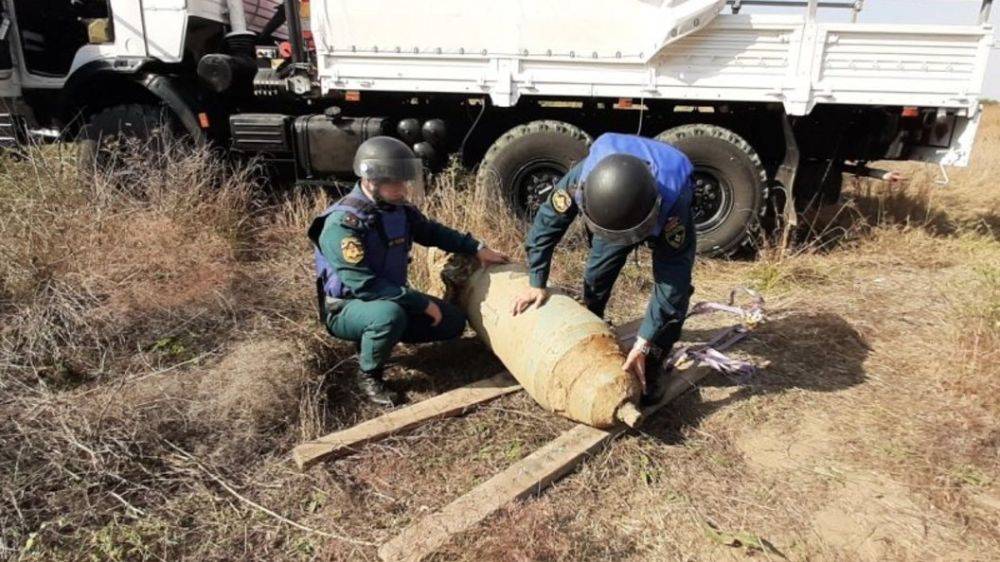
x=632 y=235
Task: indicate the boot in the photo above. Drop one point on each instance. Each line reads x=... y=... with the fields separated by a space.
x=656 y=378
x=371 y=385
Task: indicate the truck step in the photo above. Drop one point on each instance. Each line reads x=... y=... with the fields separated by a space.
x=8 y=131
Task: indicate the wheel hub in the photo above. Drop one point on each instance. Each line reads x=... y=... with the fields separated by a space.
x=712 y=198
x=533 y=182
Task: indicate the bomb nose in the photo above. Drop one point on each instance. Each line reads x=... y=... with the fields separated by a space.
x=629 y=414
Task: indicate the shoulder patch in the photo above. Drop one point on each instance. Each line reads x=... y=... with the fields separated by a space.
x=350 y=220
x=561 y=200
x=352 y=250
x=674 y=233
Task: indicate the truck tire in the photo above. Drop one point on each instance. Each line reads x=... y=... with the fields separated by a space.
x=522 y=165
x=729 y=185
x=138 y=122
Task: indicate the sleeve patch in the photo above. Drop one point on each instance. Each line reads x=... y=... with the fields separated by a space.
x=352 y=250
x=561 y=201
x=674 y=233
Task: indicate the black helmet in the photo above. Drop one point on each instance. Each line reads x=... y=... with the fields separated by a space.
x=620 y=200
x=387 y=159
x=435 y=132
x=426 y=152
x=409 y=130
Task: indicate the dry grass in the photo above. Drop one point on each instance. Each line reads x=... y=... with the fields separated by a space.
x=91 y=270
x=159 y=356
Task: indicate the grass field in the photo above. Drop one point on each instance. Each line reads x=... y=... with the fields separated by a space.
x=160 y=357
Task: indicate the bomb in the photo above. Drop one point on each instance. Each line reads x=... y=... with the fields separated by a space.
x=566 y=357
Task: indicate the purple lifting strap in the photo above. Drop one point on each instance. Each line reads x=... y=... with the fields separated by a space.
x=710 y=352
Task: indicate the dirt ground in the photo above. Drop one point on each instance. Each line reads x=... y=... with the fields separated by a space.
x=159 y=358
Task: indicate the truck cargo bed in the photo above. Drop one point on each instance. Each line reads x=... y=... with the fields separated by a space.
x=778 y=58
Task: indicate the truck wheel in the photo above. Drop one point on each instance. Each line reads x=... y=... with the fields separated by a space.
x=729 y=185
x=151 y=126
x=522 y=165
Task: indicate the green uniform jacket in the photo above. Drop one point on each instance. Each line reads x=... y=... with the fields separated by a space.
x=359 y=277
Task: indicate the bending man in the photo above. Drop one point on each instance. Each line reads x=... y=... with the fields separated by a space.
x=629 y=190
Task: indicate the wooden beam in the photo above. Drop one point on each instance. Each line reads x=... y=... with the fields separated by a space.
x=529 y=475
x=682 y=379
x=452 y=403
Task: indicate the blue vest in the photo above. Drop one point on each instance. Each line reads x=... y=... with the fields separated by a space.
x=670 y=167
x=386 y=241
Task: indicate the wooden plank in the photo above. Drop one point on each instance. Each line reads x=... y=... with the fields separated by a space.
x=683 y=377
x=681 y=380
x=529 y=475
x=452 y=403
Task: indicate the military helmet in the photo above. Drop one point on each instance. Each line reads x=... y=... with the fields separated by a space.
x=620 y=199
x=387 y=159
x=409 y=130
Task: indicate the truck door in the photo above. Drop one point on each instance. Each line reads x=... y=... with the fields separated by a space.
x=10 y=85
x=51 y=32
x=10 y=82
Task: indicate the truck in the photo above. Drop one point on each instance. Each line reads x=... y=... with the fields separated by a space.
x=772 y=108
